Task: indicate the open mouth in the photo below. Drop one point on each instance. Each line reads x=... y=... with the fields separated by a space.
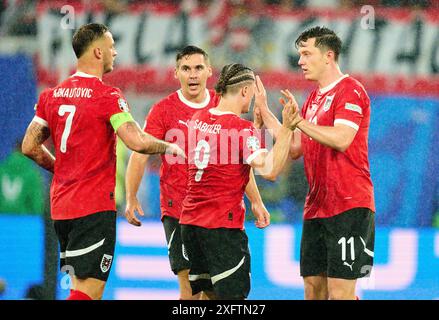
x=193 y=85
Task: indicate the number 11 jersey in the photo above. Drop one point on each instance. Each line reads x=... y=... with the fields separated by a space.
x=82 y=114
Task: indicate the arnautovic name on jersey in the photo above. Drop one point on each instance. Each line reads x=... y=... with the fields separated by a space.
x=72 y=93
x=209 y=128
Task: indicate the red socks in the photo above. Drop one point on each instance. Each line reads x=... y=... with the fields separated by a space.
x=78 y=295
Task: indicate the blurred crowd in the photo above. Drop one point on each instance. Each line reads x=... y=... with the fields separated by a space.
x=18 y=17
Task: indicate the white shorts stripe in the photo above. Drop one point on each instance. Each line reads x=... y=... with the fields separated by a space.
x=170 y=239
x=368 y=252
x=194 y=277
x=80 y=252
x=40 y=121
x=227 y=273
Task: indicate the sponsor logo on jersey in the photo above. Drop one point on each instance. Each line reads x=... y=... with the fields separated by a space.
x=106 y=262
x=186 y=123
x=253 y=143
x=349 y=265
x=123 y=105
x=328 y=103
x=353 y=107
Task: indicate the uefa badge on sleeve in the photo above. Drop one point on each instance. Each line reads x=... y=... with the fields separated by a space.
x=106 y=262
x=253 y=143
x=123 y=105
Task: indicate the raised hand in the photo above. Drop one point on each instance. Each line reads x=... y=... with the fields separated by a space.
x=260 y=95
x=290 y=114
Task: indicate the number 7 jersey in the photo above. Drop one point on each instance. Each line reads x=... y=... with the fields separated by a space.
x=82 y=114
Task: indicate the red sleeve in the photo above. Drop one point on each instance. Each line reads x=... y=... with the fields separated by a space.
x=40 y=109
x=154 y=122
x=251 y=145
x=113 y=102
x=351 y=107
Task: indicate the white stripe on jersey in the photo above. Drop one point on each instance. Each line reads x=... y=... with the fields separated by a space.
x=347 y=123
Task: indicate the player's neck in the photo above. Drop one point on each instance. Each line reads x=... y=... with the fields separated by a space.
x=197 y=99
x=333 y=74
x=92 y=70
x=226 y=105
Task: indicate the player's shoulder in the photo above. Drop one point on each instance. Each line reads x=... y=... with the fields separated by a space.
x=108 y=90
x=167 y=102
x=202 y=114
x=46 y=93
x=244 y=123
x=46 y=96
x=350 y=83
x=162 y=107
x=236 y=122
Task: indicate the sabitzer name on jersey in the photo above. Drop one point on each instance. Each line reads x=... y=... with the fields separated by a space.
x=72 y=93
x=207 y=128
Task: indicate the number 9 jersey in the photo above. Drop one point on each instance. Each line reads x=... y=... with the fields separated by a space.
x=221 y=145
x=83 y=115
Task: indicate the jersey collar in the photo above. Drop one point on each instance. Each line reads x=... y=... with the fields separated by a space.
x=332 y=85
x=83 y=75
x=217 y=112
x=194 y=105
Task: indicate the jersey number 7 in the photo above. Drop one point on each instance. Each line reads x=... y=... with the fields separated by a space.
x=63 y=109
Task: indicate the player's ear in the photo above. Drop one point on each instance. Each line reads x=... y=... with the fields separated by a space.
x=209 y=70
x=244 y=91
x=175 y=73
x=329 y=55
x=98 y=53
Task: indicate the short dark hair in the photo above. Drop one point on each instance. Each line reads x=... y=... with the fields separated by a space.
x=85 y=35
x=325 y=38
x=232 y=76
x=190 y=50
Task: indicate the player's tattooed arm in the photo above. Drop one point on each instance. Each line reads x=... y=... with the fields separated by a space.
x=139 y=141
x=32 y=146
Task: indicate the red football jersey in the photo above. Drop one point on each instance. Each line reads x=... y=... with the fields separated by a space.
x=338 y=181
x=168 y=120
x=221 y=145
x=82 y=113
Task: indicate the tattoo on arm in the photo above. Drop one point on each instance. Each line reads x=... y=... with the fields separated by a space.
x=38 y=133
x=142 y=142
x=33 y=146
x=154 y=145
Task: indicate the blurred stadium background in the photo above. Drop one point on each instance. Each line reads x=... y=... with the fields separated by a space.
x=392 y=46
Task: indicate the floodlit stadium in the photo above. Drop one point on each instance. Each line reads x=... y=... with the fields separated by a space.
x=390 y=46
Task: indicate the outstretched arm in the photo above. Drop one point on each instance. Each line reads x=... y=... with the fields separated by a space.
x=270 y=164
x=32 y=146
x=139 y=141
